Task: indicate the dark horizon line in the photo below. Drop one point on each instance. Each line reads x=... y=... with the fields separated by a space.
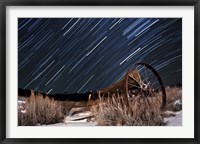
x=91 y=91
x=70 y=96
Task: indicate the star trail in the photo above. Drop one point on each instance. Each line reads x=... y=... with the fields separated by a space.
x=76 y=55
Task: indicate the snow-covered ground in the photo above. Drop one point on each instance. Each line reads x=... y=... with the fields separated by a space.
x=75 y=123
x=80 y=119
x=71 y=121
x=174 y=121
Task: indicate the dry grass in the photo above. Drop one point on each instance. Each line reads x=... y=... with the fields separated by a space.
x=40 y=110
x=173 y=94
x=113 y=111
x=22 y=98
x=141 y=111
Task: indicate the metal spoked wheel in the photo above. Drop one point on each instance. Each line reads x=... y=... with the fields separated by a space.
x=144 y=82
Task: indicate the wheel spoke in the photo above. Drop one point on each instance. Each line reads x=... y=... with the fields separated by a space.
x=133 y=85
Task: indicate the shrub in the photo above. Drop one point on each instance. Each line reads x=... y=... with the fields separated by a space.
x=40 y=110
x=174 y=95
x=113 y=111
x=142 y=111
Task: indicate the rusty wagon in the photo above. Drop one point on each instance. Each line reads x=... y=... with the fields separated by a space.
x=142 y=81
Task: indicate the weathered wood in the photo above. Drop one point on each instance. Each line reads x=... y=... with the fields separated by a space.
x=79 y=116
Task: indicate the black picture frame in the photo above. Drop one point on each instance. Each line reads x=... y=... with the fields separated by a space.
x=5 y=3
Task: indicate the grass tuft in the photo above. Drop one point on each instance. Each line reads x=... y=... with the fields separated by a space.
x=40 y=110
x=142 y=111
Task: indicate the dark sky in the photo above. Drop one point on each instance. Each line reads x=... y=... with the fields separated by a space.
x=68 y=55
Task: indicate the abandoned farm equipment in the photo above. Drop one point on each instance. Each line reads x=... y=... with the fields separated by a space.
x=143 y=81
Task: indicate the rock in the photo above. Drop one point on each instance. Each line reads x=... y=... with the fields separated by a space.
x=178 y=105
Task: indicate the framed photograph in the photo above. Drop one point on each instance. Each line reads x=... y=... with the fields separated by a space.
x=99 y=71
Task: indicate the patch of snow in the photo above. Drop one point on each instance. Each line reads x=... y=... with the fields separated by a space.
x=87 y=113
x=174 y=121
x=21 y=102
x=177 y=102
x=78 y=116
x=23 y=111
x=73 y=123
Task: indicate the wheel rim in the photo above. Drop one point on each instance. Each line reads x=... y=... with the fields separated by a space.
x=145 y=81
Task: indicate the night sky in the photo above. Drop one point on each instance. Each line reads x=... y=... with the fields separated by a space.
x=69 y=55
